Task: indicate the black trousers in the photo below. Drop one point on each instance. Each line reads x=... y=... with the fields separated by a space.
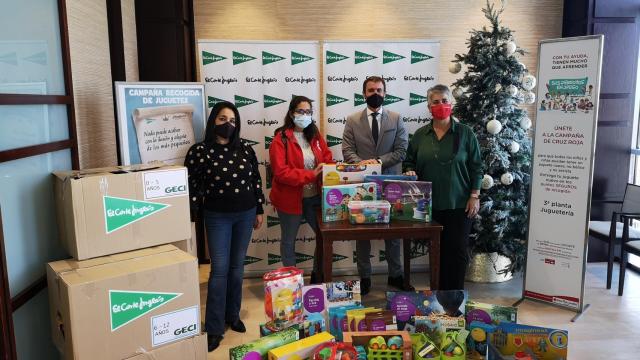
x=454 y=244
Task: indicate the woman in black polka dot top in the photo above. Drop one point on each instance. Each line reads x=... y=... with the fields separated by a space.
x=225 y=181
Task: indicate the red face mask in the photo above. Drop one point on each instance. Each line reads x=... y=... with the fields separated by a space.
x=441 y=111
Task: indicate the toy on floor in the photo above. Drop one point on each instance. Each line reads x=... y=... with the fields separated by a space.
x=283 y=294
x=335 y=351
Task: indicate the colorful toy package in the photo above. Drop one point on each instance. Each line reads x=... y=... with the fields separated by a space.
x=478 y=341
x=274 y=326
x=314 y=300
x=381 y=321
x=379 y=180
x=410 y=200
x=338 y=322
x=301 y=349
x=515 y=341
x=337 y=174
x=436 y=326
x=342 y=293
x=382 y=345
x=283 y=294
x=406 y=304
x=369 y=212
x=490 y=313
x=335 y=199
x=314 y=324
x=335 y=351
x=258 y=349
x=355 y=318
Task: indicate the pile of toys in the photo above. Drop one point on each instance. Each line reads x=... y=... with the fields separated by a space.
x=360 y=194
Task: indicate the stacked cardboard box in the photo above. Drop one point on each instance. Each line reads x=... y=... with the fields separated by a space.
x=125 y=294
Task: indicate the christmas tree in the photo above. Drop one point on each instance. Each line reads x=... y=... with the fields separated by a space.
x=488 y=97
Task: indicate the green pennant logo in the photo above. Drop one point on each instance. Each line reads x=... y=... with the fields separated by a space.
x=416 y=57
x=239 y=58
x=358 y=99
x=333 y=141
x=250 y=142
x=360 y=57
x=271 y=101
x=267 y=142
x=297 y=58
x=383 y=256
x=300 y=257
x=388 y=57
x=355 y=257
x=415 y=99
x=268 y=58
x=120 y=212
x=127 y=306
x=248 y=260
x=272 y=221
x=243 y=101
x=334 y=100
x=273 y=258
x=212 y=101
x=418 y=249
x=390 y=99
x=331 y=57
x=338 y=257
x=209 y=58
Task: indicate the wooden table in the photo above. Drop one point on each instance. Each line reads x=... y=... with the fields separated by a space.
x=406 y=230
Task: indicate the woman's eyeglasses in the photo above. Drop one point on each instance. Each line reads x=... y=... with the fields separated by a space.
x=303 y=112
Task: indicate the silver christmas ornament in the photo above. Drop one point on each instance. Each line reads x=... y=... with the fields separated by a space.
x=528 y=82
x=512 y=90
x=514 y=147
x=529 y=97
x=457 y=92
x=455 y=67
x=506 y=178
x=494 y=126
x=525 y=123
x=509 y=48
x=487 y=182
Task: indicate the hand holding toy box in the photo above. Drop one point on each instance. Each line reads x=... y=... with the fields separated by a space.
x=338 y=174
x=335 y=199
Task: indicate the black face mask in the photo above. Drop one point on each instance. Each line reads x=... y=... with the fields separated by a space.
x=225 y=130
x=375 y=101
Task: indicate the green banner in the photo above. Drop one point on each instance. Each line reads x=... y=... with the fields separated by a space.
x=415 y=99
x=417 y=57
x=568 y=86
x=120 y=212
x=334 y=100
x=239 y=58
x=250 y=142
x=390 y=99
x=333 y=140
x=248 y=260
x=297 y=58
x=332 y=57
x=360 y=57
x=272 y=101
x=268 y=58
x=243 y=101
x=209 y=58
x=212 y=101
x=388 y=56
x=126 y=306
x=358 y=99
x=267 y=142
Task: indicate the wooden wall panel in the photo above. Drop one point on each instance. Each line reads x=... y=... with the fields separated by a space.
x=130 y=39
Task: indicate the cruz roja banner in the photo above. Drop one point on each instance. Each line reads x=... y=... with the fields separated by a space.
x=409 y=69
x=565 y=132
x=260 y=78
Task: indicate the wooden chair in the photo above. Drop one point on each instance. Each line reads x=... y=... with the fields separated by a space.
x=611 y=231
x=627 y=247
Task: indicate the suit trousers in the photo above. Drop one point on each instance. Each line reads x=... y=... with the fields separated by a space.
x=392 y=248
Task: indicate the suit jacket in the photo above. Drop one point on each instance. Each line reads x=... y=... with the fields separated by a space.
x=358 y=144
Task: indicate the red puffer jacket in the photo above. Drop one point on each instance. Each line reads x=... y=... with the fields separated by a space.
x=289 y=174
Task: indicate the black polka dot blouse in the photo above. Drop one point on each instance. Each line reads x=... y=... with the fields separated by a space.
x=223 y=178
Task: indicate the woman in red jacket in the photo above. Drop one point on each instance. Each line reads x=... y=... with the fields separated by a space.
x=296 y=155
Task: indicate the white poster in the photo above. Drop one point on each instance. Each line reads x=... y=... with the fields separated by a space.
x=409 y=68
x=565 y=133
x=261 y=77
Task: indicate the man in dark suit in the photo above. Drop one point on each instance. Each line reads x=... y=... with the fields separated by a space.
x=371 y=136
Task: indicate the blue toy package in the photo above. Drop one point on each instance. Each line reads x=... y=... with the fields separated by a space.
x=338 y=319
x=379 y=180
x=314 y=324
x=406 y=304
x=478 y=341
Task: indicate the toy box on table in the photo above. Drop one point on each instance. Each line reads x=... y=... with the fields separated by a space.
x=379 y=180
x=335 y=199
x=406 y=304
x=301 y=349
x=258 y=349
x=337 y=174
x=490 y=313
x=369 y=212
x=283 y=294
x=387 y=345
x=410 y=200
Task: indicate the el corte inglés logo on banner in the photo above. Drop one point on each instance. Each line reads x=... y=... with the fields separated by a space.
x=243 y=101
x=208 y=58
x=297 y=58
x=338 y=257
x=127 y=306
x=417 y=57
x=250 y=142
x=239 y=58
x=300 y=257
x=415 y=99
x=360 y=57
x=333 y=141
x=334 y=100
x=248 y=260
x=388 y=57
x=271 y=101
x=332 y=57
x=268 y=58
x=358 y=99
x=120 y=212
x=212 y=101
x=267 y=142
x=390 y=99
x=273 y=221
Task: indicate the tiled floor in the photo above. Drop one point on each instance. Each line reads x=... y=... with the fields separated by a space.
x=609 y=329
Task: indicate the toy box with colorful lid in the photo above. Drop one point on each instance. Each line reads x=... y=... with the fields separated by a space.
x=283 y=294
x=335 y=199
x=382 y=345
x=369 y=212
x=336 y=174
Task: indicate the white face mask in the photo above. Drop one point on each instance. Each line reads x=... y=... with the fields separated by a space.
x=302 y=121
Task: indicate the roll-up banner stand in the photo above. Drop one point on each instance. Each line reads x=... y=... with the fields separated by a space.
x=562 y=172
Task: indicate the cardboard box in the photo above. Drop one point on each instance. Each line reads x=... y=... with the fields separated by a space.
x=190 y=245
x=109 y=307
x=113 y=210
x=490 y=313
x=258 y=349
x=336 y=174
x=194 y=348
x=410 y=200
x=361 y=338
x=335 y=199
x=301 y=349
